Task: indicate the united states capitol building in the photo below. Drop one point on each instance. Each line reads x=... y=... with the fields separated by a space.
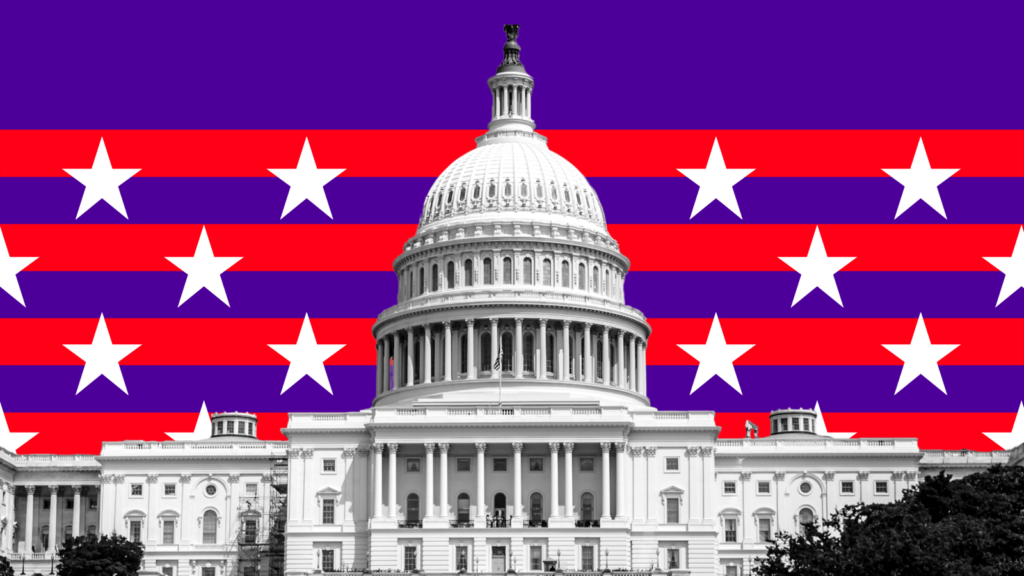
x=511 y=429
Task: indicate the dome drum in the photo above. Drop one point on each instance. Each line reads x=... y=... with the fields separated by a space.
x=508 y=230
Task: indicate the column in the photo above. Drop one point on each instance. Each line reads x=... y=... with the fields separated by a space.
x=76 y=520
x=378 y=481
x=542 y=370
x=55 y=531
x=519 y=349
x=443 y=447
x=620 y=372
x=643 y=368
x=387 y=363
x=30 y=506
x=399 y=381
x=438 y=358
x=694 y=481
x=565 y=350
x=515 y=101
x=186 y=488
x=380 y=368
x=554 y=479
x=392 y=480
x=494 y=348
x=517 y=480
x=570 y=498
x=633 y=385
x=649 y=453
x=448 y=351
x=410 y=357
x=471 y=357
x=430 y=479
x=606 y=481
x=621 y=466
x=588 y=362
x=481 y=495
x=427 y=342
x=606 y=364
x=494 y=104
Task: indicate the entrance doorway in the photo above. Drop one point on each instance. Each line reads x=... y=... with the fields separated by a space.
x=498 y=559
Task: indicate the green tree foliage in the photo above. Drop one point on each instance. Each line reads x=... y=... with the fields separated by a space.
x=5 y=567
x=105 y=556
x=971 y=527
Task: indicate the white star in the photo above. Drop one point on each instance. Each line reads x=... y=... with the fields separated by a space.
x=204 y=270
x=12 y=440
x=817 y=270
x=716 y=182
x=203 y=430
x=101 y=182
x=101 y=358
x=821 y=430
x=306 y=182
x=1014 y=437
x=716 y=358
x=9 y=268
x=307 y=358
x=1012 y=267
x=920 y=181
x=920 y=357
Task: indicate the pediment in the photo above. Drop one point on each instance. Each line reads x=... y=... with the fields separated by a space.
x=672 y=490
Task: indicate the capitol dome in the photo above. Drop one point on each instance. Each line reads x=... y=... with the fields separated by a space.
x=512 y=280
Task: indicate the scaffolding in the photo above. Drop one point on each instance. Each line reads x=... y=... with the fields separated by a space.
x=259 y=544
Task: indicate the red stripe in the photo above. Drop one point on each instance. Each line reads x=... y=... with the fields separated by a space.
x=183 y=342
x=594 y=152
x=934 y=431
x=712 y=247
x=840 y=342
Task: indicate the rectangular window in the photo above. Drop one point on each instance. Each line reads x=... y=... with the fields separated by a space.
x=250 y=531
x=672 y=510
x=167 y=571
x=847 y=487
x=461 y=558
x=328 y=508
x=250 y=429
x=231 y=426
x=412 y=464
x=250 y=489
x=46 y=504
x=136 y=489
x=730 y=530
x=586 y=464
x=92 y=531
x=536 y=464
x=328 y=559
x=329 y=466
x=764 y=529
x=501 y=464
x=135 y=531
x=881 y=487
x=785 y=424
x=588 y=558
x=170 y=489
x=251 y=570
x=462 y=464
x=732 y=571
x=764 y=488
x=220 y=427
x=673 y=558
x=68 y=504
x=807 y=425
x=410 y=558
x=536 y=558
x=672 y=464
x=209 y=571
x=730 y=488
x=92 y=503
x=168 y=531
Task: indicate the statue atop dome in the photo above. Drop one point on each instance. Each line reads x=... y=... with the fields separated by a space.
x=512 y=32
x=511 y=47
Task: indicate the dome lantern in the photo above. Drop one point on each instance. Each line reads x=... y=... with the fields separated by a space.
x=511 y=90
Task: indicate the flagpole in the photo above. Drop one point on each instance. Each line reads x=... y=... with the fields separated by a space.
x=499 y=382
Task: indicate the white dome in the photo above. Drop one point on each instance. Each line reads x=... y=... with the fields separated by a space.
x=488 y=183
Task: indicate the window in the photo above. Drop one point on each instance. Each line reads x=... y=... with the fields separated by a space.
x=507 y=352
x=565 y=192
x=672 y=554
x=462 y=508
x=422 y=282
x=607 y=284
x=805 y=488
x=600 y=362
x=92 y=531
x=170 y=489
x=546 y=272
x=807 y=425
x=68 y=504
x=764 y=488
x=536 y=464
x=528 y=353
x=329 y=466
x=46 y=504
x=210 y=527
x=583 y=277
x=508 y=190
x=168 y=531
x=785 y=424
x=524 y=190
x=231 y=426
x=410 y=558
x=67 y=533
x=462 y=558
x=672 y=464
x=211 y=489
x=450 y=280
x=209 y=571
x=250 y=489
x=595 y=282
x=732 y=570
x=485 y=352
x=501 y=464
x=536 y=507
x=220 y=427
x=167 y=571
x=806 y=517
x=327 y=555
x=587 y=560
x=327 y=517
x=566 y=277
x=846 y=487
x=730 y=530
x=488 y=272
x=506 y=271
x=549 y=356
x=492 y=190
x=775 y=426
x=92 y=503
x=528 y=271
x=476 y=191
x=462 y=464
x=764 y=529
x=433 y=278
x=881 y=487
x=135 y=531
x=586 y=464
x=462 y=193
x=467 y=273
x=500 y=504
x=451 y=195
x=587 y=506
x=412 y=508
x=729 y=488
x=672 y=510
x=463 y=355
x=536 y=558
x=412 y=464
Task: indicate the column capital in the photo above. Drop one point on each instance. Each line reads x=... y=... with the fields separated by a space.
x=744 y=475
x=307 y=453
x=587 y=326
x=430 y=446
x=543 y=322
x=621 y=447
x=566 y=323
x=118 y=478
x=443 y=447
x=519 y=322
x=828 y=476
x=392 y=448
x=706 y=451
x=606 y=447
x=426 y=328
x=53 y=489
x=494 y=321
x=471 y=322
x=378 y=448
x=692 y=451
x=606 y=330
x=294 y=452
x=32 y=489
x=554 y=446
x=650 y=451
x=910 y=475
x=481 y=447
x=447 y=324
x=348 y=453
x=77 y=488
x=567 y=447
x=185 y=479
x=517 y=447
x=233 y=478
x=630 y=336
x=151 y=479
x=779 y=476
x=636 y=451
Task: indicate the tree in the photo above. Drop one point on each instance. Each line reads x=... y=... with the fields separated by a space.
x=971 y=527
x=5 y=567
x=106 y=556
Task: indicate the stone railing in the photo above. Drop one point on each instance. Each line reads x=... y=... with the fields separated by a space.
x=935 y=458
x=503 y=413
x=481 y=295
x=781 y=444
x=180 y=448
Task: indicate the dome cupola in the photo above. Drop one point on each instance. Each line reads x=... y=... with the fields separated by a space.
x=793 y=420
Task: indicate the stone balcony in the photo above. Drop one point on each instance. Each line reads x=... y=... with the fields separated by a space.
x=131 y=449
x=823 y=445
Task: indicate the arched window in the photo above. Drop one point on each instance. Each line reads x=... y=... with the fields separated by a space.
x=546 y=272
x=411 y=284
x=462 y=508
x=587 y=506
x=416 y=362
x=506 y=271
x=595 y=284
x=528 y=353
x=492 y=190
x=467 y=273
x=566 y=277
x=600 y=362
x=499 y=505
x=507 y=352
x=433 y=278
x=806 y=517
x=607 y=283
x=422 y=280
x=572 y=353
x=451 y=195
x=450 y=276
x=485 y=351
x=67 y=533
x=210 y=527
x=527 y=271
x=565 y=191
x=476 y=192
x=45 y=536
x=536 y=507
x=488 y=272
x=540 y=190
x=549 y=354
x=587 y=196
x=508 y=190
x=463 y=356
x=583 y=277
x=412 y=508
x=524 y=190
x=462 y=193
x=579 y=202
